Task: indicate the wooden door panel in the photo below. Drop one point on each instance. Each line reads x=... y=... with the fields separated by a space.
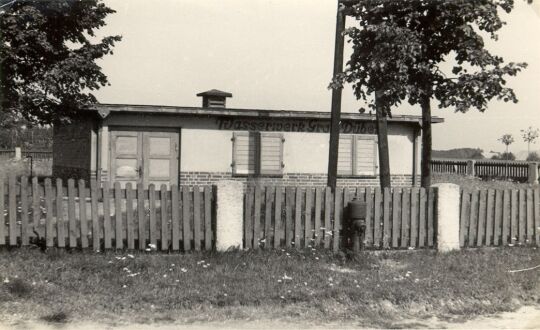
x=125 y=157
x=160 y=157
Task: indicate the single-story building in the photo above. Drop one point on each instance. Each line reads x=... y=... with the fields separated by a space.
x=202 y=145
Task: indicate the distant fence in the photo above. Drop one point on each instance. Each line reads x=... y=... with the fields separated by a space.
x=7 y=154
x=488 y=169
x=302 y=217
x=34 y=154
x=104 y=218
x=37 y=154
x=500 y=217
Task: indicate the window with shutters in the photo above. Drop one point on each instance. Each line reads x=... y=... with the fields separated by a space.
x=257 y=153
x=357 y=155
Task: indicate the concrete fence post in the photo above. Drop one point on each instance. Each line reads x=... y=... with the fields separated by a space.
x=470 y=167
x=447 y=217
x=230 y=215
x=18 y=153
x=533 y=173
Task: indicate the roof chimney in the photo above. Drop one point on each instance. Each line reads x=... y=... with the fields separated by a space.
x=214 y=98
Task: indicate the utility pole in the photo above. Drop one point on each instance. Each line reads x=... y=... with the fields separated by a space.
x=335 y=116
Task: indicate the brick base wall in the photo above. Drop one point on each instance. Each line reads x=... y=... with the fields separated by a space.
x=65 y=173
x=289 y=179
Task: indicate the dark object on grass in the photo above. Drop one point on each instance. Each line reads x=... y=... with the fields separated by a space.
x=356 y=224
x=58 y=317
x=38 y=241
x=19 y=288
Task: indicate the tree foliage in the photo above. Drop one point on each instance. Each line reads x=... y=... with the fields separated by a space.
x=533 y=157
x=504 y=156
x=399 y=47
x=530 y=135
x=507 y=140
x=48 y=53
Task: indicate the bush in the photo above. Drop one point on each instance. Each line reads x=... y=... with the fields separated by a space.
x=504 y=156
x=533 y=157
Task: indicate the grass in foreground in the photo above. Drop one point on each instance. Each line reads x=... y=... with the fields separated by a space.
x=376 y=289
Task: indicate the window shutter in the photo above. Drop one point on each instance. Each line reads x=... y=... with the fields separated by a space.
x=345 y=155
x=365 y=155
x=244 y=153
x=271 y=153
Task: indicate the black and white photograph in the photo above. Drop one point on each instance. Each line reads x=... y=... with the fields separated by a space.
x=269 y=164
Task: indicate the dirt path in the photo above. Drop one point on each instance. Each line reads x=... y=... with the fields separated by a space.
x=525 y=318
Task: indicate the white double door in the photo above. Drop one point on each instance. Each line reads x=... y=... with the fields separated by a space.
x=144 y=157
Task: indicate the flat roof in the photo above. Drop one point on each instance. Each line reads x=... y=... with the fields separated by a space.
x=105 y=109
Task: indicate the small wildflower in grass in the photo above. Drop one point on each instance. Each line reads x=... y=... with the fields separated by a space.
x=6 y=280
x=183 y=270
x=124 y=286
x=131 y=256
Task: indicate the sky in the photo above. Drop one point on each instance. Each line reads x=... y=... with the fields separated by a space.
x=278 y=54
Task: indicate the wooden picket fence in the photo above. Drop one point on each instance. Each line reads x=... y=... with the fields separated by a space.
x=499 y=217
x=485 y=168
x=303 y=217
x=179 y=218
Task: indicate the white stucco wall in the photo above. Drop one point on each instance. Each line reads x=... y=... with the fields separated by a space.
x=205 y=148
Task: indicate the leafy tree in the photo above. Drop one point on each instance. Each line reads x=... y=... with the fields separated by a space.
x=399 y=46
x=504 y=156
x=507 y=140
x=530 y=135
x=48 y=53
x=533 y=157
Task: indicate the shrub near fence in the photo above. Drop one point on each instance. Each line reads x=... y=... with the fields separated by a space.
x=277 y=217
x=500 y=217
x=105 y=218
